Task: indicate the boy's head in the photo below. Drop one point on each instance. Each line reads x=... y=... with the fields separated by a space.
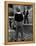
x=17 y=9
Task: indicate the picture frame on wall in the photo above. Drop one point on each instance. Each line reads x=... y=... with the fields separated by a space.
x=19 y=22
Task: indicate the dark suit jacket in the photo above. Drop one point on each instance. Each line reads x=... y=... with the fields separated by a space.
x=18 y=17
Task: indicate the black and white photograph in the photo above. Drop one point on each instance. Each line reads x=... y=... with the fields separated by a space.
x=19 y=23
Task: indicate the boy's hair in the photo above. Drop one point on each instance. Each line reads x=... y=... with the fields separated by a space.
x=17 y=9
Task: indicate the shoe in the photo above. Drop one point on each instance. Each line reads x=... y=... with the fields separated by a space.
x=15 y=40
x=22 y=40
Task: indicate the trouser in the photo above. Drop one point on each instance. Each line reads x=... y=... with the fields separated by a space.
x=10 y=24
x=19 y=28
x=26 y=19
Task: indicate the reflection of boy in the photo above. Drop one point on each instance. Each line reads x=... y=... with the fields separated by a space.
x=26 y=17
x=10 y=22
x=19 y=25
